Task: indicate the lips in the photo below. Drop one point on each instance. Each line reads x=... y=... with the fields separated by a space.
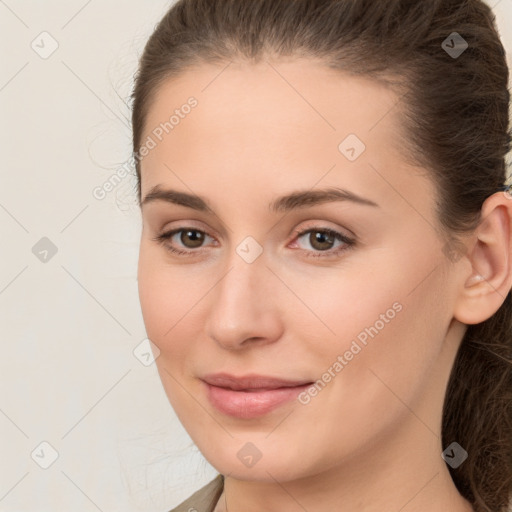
x=251 y=382
x=250 y=396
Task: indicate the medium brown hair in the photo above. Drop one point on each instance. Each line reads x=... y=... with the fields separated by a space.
x=455 y=112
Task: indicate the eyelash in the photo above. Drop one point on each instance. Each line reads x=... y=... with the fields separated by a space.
x=349 y=242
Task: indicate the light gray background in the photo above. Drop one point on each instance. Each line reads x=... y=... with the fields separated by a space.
x=70 y=325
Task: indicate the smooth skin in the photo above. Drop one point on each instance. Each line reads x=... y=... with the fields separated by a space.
x=371 y=439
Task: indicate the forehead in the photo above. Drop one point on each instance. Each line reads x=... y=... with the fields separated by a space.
x=285 y=122
x=278 y=94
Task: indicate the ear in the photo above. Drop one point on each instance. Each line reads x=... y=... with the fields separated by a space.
x=485 y=284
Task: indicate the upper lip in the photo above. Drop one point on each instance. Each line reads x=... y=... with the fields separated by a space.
x=253 y=381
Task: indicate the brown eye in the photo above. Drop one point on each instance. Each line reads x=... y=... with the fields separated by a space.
x=321 y=240
x=183 y=241
x=192 y=238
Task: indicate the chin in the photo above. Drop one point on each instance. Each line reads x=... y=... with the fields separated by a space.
x=258 y=461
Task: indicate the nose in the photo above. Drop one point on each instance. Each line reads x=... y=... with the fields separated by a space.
x=243 y=306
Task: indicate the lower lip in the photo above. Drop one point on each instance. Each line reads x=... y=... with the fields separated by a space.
x=251 y=404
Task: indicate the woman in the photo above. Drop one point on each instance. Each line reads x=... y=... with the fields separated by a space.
x=325 y=262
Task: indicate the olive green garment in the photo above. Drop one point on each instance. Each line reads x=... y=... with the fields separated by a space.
x=203 y=500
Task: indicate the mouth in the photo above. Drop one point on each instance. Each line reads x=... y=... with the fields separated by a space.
x=251 y=382
x=250 y=396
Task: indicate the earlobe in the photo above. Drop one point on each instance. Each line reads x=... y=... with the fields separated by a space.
x=489 y=280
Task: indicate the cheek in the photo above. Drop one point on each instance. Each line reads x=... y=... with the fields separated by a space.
x=339 y=307
x=170 y=298
x=167 y=307
x=161 y=295
x=394 y=365
x=388 y=322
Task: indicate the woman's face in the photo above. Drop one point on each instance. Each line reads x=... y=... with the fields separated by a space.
x=308 y=253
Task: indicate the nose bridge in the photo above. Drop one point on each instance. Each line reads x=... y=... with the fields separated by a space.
x=239 y=293
x=241 y=305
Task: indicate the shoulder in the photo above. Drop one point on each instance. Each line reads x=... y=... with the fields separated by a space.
x=203 y=500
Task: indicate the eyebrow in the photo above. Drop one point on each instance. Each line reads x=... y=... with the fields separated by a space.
x=289 y=202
